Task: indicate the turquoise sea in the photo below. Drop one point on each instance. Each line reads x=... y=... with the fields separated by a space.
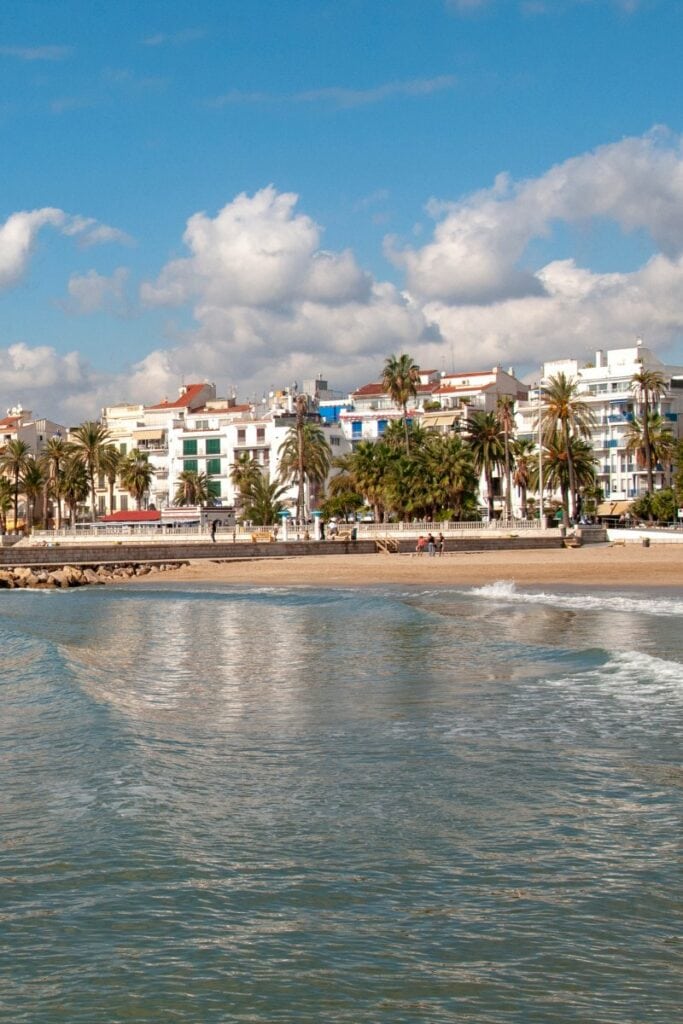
x=300 y=805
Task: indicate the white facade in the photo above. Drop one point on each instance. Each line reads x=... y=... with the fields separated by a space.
x=605 y=386
x=201 y=433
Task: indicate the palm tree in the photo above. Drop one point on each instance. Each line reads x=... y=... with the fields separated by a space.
x=136 y=475
x=33 y=481
x=73 y=486
x=5 y=502
x=525 y=462
x=557 y=461
x=243 y=474
x=565 y=412
x=54 y=456
x=111 y=461
x=89 y=442
x=448 y=467
x=304 y=455
x=505 y=413
x=263 y=505
x=192 y=489
x=369 y=467
x=648 y=386
x=400 y=379
x=14 y=458
x=660 y=440
x=488 y=448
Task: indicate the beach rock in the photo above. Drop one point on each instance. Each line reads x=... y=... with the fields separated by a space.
x=6 y=580
x=92 y=577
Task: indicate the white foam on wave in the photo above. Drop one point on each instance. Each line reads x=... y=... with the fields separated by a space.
x=633 y=677
x=506 y=591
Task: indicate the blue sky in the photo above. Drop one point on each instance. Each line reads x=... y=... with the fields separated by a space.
x=257 y=191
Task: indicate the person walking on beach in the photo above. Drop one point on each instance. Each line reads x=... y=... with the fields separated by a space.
x=431 y=545
x=441 y=544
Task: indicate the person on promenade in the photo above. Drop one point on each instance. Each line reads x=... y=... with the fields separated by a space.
x=431 y=545
x=441 y=544
x=420 y=547
x=214 y=527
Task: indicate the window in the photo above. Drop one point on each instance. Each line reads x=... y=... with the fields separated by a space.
x=381 y=426
x=201 y=425
x=100 y=480
x=101 y=505
x=260 y=433
x=190 y=465
x=123 y=447
x=124 y=502
x=190 y=447
x=213 y=446
x=214 y=488
x=213 y=467
x=241 y=435
x=334 y=441
x=356 y=429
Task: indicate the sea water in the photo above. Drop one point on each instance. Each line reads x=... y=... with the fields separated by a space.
x=327 y=805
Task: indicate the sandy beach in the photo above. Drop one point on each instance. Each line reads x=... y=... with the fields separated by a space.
x=594 y=565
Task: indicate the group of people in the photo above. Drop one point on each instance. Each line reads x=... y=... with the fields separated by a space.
x=431 y=544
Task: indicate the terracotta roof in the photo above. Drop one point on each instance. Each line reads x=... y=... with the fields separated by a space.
x=10 y=421
x=191 y=392
x=143 y=516
x=377 y=389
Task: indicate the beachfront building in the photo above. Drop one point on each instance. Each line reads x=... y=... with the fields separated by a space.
x=606 y=386
x=459 y=395
x=202 y=433
x=20 y=425
x=367 y=412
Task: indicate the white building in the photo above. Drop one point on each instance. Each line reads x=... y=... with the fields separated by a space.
x=20 y=425
x=198 y=432
x=605 y=386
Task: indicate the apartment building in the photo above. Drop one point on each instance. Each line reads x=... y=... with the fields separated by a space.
x=20 y=425
x=605 y=386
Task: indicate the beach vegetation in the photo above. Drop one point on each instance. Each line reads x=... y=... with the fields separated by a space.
x=33 y=483
x=648 y=386
x=524 y=462
x=400 y=380
x=14 y=459
x=73 y=486
x=136 y=475
x=264 y=501
x=566 y=418
x=304 y=457
x=192 y=489
x=487 y=445
x=54 y=457
x=89 y=443
x=505 y=414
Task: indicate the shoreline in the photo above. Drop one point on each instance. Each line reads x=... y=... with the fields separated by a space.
x=592 y=565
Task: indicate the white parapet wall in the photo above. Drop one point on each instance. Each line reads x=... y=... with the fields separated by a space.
x=636 y=535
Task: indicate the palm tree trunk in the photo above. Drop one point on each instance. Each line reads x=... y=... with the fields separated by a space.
x=405 y=427
x=16 y=501
x=508 y=481
x=646 y=442
x=489 y=492
x=571 y=474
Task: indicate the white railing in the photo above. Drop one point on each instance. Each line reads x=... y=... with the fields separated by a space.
x=146 y=533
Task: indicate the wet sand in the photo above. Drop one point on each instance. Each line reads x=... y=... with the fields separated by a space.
x=660 y=565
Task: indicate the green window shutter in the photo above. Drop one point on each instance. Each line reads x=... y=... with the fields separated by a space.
x=213 y=467
x=190 y=465
x=214 y=488
x=213 y=446
x=190 y=447
x=122 y=447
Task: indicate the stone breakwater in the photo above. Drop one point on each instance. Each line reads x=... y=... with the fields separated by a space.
x=67 y=576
